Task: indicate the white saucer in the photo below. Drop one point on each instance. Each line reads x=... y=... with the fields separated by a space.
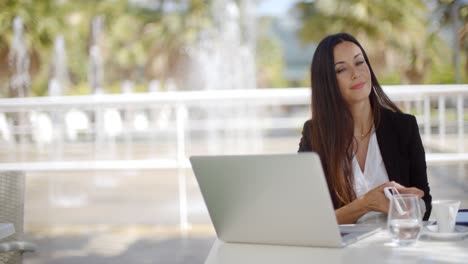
x=459 y=233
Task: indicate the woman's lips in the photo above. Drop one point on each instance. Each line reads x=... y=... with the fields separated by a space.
x=358 y=86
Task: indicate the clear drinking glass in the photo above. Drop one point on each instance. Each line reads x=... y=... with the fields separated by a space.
x=404 y=219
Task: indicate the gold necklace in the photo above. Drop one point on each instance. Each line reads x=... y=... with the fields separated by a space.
x=363 y=135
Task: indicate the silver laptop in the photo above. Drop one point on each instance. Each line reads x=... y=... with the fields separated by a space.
x=271 y=199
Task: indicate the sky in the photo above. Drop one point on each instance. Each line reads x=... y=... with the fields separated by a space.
x=274 y=7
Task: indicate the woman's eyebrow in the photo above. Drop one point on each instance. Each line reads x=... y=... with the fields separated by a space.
x=353 y=58
x=357 y=55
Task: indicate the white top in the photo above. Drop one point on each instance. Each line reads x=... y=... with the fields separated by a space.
x=374 y=175
x=374 y=170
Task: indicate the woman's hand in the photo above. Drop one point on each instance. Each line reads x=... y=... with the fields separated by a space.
x=375 y=199
x=411 y=190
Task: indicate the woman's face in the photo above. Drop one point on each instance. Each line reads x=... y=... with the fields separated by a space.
x=352 y=72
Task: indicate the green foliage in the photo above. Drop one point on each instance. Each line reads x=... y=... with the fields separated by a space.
x=138 y=43
x=81 y=88
x=39 y=86
x=392 y=78
x=269 y=59
x=444 y=73
x=398 y=35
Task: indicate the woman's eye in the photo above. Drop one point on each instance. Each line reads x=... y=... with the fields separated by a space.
x=359 y=63
x=340 y=70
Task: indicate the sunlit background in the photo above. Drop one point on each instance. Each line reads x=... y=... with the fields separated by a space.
x=105 y=100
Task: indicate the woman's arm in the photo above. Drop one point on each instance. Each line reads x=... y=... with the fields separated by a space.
x=374 y=200
x=418 y=168
x=351 y=212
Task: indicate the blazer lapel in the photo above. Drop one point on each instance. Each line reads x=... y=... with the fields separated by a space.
x=388 y=145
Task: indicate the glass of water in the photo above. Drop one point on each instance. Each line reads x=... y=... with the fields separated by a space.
x=404 y=219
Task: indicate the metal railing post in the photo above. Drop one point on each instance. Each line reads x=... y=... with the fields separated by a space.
x=427 y=118
x=460 y=124
x=181 y=119
x=441 y=109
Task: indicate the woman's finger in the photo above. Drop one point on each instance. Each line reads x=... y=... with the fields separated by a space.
x=412 y=190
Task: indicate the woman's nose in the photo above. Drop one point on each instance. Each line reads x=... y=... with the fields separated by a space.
x=354 y=73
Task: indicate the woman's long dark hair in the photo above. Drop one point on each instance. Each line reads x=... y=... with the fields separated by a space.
x=332 y=129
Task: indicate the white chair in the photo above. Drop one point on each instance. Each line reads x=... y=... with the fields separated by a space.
x=12 y=211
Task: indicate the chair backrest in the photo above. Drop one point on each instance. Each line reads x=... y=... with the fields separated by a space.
x=12 y=199
x=12 y=209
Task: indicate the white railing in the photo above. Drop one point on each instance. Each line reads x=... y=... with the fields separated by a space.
x=175 y=125
x=419 y=99
x=177 y=104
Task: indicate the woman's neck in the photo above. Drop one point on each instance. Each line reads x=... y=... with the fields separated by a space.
x=362 y=116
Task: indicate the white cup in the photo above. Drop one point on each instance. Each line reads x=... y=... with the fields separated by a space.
x=445 y=213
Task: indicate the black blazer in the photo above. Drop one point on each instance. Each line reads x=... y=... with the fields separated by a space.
x=401 y=148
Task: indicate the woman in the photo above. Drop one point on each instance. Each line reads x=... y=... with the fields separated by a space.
x=364 y=141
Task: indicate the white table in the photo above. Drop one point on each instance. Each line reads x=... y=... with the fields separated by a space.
x=6 y=230
x=377 y=248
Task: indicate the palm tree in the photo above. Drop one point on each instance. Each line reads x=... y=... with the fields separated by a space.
x=148 y=38
x=454 y=14
x=42 y=22
x=139 y=42
x=395 y=33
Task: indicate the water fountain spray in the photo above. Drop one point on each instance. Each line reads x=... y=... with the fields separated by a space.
x=59 y=74
x=18 y=61
x=96 y=62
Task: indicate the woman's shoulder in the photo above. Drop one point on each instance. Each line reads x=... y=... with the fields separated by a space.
x=307 y=125
x=396 y=117
x=305 y=144
x=402 y=124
